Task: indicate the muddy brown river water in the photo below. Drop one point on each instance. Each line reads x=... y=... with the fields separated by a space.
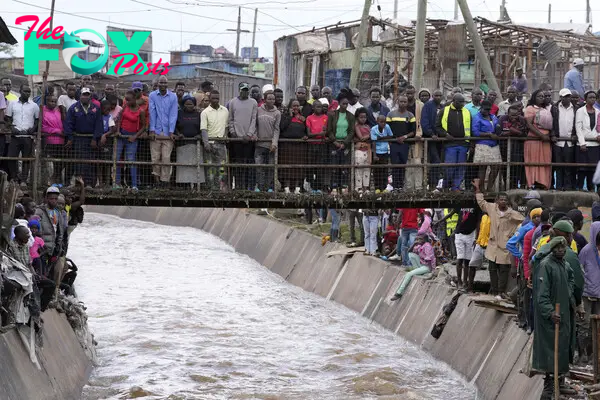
x=178 y=314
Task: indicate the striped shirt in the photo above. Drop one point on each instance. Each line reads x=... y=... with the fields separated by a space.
x=401 y=123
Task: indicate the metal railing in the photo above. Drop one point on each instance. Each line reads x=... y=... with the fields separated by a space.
x=228 y=172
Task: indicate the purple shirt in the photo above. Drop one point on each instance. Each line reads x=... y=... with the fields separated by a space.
x=426 y=255
x=520 y=84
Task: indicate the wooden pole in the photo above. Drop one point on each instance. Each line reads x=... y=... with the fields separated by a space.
x=556 y=326
x=479 y=49
x=362 y=39
x=36 y=171
x=253 y=41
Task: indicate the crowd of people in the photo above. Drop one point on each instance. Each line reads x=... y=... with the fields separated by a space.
x=316 y=127
x=37 y=267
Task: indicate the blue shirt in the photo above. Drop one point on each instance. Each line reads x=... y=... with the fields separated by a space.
x=515 y=243
x=574 y=81
x=481 y=125
x=163 y=113
x=81 y=121
x=473 y=109
x=381 y=147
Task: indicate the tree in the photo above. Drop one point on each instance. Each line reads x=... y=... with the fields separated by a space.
x=7 y=49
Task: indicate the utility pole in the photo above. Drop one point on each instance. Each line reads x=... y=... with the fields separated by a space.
x=362 y=38
x=455 y=10
x=238 y=31
x=420 y=43
x=588 y=12
x=253 y=37
x=479 y=49
x=395 y=10
x=503 y=13
x=549 y=13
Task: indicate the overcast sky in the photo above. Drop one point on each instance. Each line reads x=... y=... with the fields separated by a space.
x=176 y=24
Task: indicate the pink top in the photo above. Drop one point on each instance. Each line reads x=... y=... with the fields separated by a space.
x=52 y=126
x=34 y=251
x=115 y=113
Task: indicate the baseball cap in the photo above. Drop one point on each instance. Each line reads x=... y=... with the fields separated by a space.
x=267 y=88
x=578 y=61
x=244 y=86
x=85 y=90
x=532 y=194
x=564 y=92
x=53 y=189
x=324 y=101
x=137 y=85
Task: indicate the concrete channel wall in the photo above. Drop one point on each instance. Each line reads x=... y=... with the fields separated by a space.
x=64 y=366
x=481 y=344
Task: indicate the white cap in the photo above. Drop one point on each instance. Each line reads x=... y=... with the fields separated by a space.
x=85 y=90
x=267 y=88
x=577 y=62
x=52 y=189
x=324 y=101
x=564 y=92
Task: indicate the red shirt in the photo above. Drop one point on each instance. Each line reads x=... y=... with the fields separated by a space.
x=333 y=106
x=410 y=218
x=494 y=110
x=315 y=124
x=130 y=120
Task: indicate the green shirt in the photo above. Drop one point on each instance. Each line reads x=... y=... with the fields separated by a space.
x=341 y=129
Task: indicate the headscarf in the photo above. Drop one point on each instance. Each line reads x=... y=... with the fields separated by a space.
x=188 y=97
x=535 y=212
x=36 y=223
x=423 y=90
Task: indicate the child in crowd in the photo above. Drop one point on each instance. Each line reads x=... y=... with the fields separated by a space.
x=381 y=151
x=362 y=150
x=390 y=238
x=422 y=260
x=37 y=248
x=104 y=151
x=316 y=130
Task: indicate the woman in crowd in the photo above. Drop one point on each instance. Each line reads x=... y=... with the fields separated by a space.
x=54 y=138
x=362 y=150
x=486 y=151
x=293 y=126
x=422 y=260
x=340 y=130
x=316 y=129
x=588 y=148
x=188 y=127
x=130 y=126
x=539 y=123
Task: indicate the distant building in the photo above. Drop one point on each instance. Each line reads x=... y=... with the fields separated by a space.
x=145 y=51
x=222 y=52
x=201 y=49
x=249 y=52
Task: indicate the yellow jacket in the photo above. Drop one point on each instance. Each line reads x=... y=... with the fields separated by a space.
x=546 y=239
x=484 y=231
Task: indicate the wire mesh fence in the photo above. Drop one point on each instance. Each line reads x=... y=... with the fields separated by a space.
x=122 y=163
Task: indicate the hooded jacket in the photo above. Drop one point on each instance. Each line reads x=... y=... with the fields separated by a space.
x=588 y=257
x=53 y=238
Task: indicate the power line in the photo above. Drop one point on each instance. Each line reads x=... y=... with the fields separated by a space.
x=116 y=23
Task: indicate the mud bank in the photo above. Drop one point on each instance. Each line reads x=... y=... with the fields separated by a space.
x=481 y=344
x=64 y=365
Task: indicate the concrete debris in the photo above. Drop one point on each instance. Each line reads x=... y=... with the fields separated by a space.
x=77 y=317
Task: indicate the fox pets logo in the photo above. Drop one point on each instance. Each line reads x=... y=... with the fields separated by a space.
x=127 y=57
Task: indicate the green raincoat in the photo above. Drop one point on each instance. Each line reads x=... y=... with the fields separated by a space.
x=578 y=280
x=554 y=284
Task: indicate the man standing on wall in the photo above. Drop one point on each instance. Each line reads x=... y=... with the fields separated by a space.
x=163 y=118
x=242 y=125
x=504 y=222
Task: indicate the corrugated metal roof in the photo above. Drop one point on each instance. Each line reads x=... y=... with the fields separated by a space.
x=5 y=35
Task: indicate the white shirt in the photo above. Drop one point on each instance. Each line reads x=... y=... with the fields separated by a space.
x=65 y=101
x=566 y=117
x=352 y=108
x=23 y=114
x=585 y=135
